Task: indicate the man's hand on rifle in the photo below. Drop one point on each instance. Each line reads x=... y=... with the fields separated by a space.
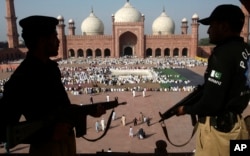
x=100 y=110
x=180 y=111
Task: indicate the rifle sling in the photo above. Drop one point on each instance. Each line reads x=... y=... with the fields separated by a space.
x=164 y=128
x=105 y=131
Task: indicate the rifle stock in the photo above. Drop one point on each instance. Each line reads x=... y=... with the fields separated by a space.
x=188 y=100
x=24 y=132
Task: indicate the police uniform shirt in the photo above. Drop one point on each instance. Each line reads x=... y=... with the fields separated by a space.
x=225 y=87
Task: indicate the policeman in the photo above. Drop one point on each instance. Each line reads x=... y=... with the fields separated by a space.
x=226 y=88
x=35 y=90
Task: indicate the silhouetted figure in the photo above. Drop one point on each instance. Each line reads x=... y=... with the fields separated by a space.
x=141 y=133
x=148 y=121
x=35 y=90
x=161 y=148
x=91 y=100
x=135 y=121
x=225 y=92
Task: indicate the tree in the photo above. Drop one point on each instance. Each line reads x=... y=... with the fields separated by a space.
x=204 y=42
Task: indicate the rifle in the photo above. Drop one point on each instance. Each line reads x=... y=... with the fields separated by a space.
x=24 y=132
x=190 y=99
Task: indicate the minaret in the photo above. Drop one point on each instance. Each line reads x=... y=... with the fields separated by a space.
x=194 y=35
x=71 y=27
x=12 y=34
x=184 y=26
x=62 y=53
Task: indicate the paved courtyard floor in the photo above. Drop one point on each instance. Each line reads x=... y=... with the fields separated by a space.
x=117 y=138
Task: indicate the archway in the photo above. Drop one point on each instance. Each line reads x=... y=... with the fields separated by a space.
x=98 y=53
x=148 y=52
x=71 y=53
x=106 y=53
x=185 y=52
x=80 y=53
x=167 y=52
x=128 y=44
x=158 y=52
x=176 y=52
x=89 y=53
x=128 y=51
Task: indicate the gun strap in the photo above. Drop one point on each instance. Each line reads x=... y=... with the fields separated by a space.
x=164 y=128
x=247 y=121
x=105 y=131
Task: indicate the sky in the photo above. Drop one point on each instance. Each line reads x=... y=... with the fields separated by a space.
x=78 y=10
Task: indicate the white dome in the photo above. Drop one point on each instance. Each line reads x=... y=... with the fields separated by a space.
x=163 y=25
x=195 y=16
x=184 y=20
x=127 y=14
x=60 y=17
x=71 y=21
x=92 y=25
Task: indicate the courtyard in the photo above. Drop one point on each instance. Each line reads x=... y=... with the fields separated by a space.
x=155 y=101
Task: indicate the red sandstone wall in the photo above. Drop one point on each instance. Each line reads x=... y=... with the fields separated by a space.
x=5 y=67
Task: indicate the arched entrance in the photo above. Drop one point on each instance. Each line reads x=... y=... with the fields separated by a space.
x=107 y=53
x=128 y=51
x=148 y=52
x=167 y=52
x=158 y=52
x=176 y=52
x=128 y=44
x=89 y=53
x=98 y=53
x=185 y=52
x=71 y=53
x=80 y=53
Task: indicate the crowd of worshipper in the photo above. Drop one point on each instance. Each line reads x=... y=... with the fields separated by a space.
x=166 y=62
x=2 y=82
x=87 y=76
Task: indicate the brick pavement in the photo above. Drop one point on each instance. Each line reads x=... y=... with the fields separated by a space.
x=117 y=137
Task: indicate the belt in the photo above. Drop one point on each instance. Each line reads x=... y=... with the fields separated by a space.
x=224 y=122
x=212 y=120
x=202 y=119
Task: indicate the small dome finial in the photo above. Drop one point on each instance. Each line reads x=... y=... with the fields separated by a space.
x=163 y=9
x=92 y=10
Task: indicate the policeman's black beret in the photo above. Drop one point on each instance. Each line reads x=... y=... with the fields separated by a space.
x=38 y=25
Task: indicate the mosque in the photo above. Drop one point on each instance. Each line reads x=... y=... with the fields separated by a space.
x=126 y=40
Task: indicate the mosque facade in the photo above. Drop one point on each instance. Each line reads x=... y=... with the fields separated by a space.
x=126 y=40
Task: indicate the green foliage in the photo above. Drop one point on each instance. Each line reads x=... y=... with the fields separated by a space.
x=204 y=42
